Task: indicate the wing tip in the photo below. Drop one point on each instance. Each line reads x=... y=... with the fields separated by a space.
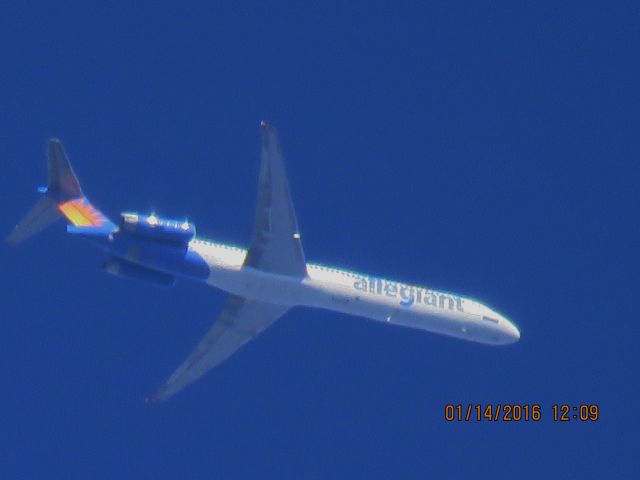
x=160 y=395
x=152 y=399
x=266 y=126
x=12 y=239
x=269 y=135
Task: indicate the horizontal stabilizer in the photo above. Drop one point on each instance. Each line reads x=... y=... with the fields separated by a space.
x=43 y=214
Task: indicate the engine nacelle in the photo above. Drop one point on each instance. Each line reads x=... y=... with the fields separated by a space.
x=155 y=228
x=121 y=268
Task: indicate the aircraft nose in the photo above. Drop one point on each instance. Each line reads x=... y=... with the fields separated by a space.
x=512 y=334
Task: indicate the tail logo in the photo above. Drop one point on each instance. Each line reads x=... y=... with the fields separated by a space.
x=81 y=213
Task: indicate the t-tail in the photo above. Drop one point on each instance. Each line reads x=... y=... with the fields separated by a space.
x=61 y=198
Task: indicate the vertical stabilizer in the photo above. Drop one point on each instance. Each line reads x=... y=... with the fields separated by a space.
x=63 y=197
x=62 y=180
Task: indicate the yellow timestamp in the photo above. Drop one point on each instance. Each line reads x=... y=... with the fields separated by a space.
x=582 y=412
x=519 y=412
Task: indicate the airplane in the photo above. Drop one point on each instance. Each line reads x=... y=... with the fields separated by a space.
x=263 y=282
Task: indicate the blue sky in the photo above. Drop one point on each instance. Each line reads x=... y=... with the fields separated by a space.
x=485 y=149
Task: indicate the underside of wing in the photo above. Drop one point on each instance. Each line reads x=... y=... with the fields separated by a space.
x=240 y=321
x=275 y=246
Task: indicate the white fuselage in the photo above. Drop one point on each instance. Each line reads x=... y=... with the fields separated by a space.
x=358 y=294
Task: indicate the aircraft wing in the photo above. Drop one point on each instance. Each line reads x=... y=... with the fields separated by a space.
x=275 y=246
x=240 y=321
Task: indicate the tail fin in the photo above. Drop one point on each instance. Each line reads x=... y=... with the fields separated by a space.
x=62 y=197
x=62 y=179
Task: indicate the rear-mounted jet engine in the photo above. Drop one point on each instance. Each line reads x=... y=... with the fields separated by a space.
x=155 y=228
x=154 y=249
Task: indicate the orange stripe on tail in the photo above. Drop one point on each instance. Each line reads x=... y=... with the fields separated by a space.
x=81 y=213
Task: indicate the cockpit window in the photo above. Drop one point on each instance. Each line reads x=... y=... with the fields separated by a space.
x=489 y=319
